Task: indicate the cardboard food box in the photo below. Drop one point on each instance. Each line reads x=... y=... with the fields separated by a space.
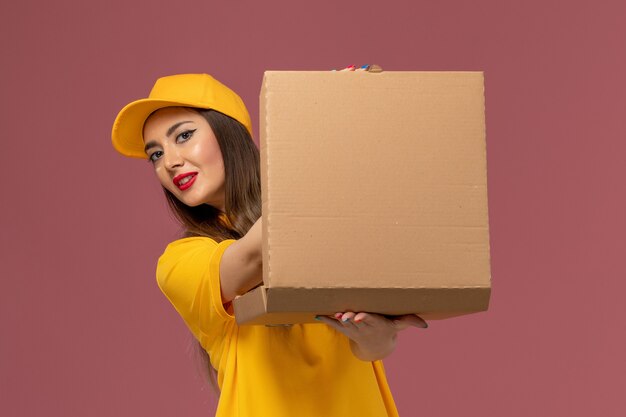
x=374 y=193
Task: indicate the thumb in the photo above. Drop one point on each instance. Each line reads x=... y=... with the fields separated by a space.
x=408 y=320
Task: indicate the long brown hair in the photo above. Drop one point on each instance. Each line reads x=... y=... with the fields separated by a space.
x=242 y=198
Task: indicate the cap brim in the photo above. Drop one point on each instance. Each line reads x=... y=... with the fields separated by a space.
x=127 y=132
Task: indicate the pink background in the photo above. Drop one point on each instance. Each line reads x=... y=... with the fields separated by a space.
x=86 y=332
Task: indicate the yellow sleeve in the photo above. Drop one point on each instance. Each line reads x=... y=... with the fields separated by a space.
x=188 y=275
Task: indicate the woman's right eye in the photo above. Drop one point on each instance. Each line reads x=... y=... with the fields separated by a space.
x=155 y=155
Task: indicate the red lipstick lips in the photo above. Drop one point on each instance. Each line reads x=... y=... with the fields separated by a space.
x=184 y=181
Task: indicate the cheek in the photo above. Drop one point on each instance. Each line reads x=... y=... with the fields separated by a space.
x=209 y=156
x=163 y=177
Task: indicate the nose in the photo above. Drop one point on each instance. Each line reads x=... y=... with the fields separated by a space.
x=172 y=158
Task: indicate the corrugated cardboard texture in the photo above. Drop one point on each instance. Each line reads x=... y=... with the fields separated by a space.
x=374 y=181
x=297 y=305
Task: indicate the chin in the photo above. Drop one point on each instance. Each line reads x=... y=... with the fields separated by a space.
x=192 y=203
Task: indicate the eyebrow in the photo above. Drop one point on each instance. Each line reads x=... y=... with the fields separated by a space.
x=152 y=143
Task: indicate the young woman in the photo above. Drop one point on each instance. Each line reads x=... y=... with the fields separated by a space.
x=196 y=133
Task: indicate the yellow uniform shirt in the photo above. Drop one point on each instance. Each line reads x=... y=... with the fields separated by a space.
x=306 y=370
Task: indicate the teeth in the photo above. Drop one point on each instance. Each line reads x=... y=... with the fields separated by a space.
x=185 y=180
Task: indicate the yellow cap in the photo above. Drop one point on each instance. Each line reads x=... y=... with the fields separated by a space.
x=189 y=90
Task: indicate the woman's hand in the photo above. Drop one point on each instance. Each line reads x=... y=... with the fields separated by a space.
x=372 y=336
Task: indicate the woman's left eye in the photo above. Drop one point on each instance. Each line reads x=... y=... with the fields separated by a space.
x=186 y=135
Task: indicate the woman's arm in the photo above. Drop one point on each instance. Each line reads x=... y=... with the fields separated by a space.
x=372 y=336
x=241 y=267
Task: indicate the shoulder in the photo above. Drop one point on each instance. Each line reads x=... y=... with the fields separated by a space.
x=189 y=243
x=189 y=257
x=188 y=275
x=184 y=257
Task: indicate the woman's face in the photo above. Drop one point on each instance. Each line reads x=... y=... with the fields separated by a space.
x=186 y=156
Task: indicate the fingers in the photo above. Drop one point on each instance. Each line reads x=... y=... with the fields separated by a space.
x=351 y=320
x=347 y=319
x=371 y=319
x=365 y=67
x=331 y=322
x=362 y=318
x=344 y=321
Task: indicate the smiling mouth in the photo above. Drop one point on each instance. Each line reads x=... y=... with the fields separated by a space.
x=184 y=181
